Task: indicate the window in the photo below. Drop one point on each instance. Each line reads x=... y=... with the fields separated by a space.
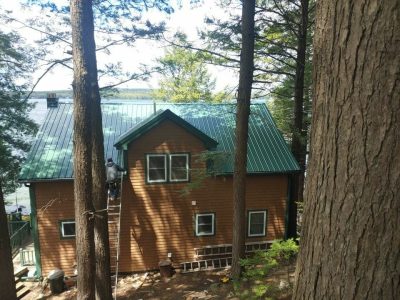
x=257 y=223
x=205 y=224
x=67 y=229
x=156 y=168
x=176 y=170
x=179 y=167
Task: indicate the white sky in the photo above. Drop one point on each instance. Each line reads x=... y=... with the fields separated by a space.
x=187 y=19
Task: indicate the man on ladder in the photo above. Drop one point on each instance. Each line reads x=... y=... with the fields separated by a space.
x=112 y=173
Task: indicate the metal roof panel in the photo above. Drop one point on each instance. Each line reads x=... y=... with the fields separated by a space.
x=51 y=156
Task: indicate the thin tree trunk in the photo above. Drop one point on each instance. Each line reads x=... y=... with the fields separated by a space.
x=242 y=125
x=350 y=240
x=82 y=29
x=7 y=281
x=102 y=248
x=299 y=140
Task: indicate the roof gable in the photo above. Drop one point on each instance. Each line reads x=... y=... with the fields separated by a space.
x=153 y=121
x=51 y=155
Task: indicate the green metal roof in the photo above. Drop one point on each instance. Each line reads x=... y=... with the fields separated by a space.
x=50 y=157
x=155 y=119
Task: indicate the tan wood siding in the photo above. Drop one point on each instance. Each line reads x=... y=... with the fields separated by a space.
x=158 y=218
x=55 y=202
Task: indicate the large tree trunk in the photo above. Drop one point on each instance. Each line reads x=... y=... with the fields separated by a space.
x=7 y=281
x=102 y=248
x=242 y=125
x=351 y=239
x=82 y=30
x=299 y=139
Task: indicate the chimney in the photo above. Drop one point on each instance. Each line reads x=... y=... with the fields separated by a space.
x=52 y=100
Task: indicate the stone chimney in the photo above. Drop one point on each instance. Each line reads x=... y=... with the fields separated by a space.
x=52 y=100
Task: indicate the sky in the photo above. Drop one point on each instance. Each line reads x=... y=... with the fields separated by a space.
x=187 y=19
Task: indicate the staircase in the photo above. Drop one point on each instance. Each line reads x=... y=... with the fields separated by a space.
x=21 y=289
x=114 y=225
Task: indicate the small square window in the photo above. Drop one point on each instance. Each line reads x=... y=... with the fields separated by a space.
x=67 y=229
x=205 y=224
x=179 y=167
x=256 y=223
x=156 y=168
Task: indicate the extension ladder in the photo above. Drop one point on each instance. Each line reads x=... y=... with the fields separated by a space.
x=114 y=229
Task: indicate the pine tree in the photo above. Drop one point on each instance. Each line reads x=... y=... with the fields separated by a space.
x=349 y=247
x=241 y=136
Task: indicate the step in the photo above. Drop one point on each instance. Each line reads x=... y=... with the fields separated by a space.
x=19 y=286
x=23 y=292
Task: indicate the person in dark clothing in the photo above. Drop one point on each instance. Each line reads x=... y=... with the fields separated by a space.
x=112 y=176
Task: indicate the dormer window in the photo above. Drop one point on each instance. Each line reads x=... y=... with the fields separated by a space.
x=172 y=167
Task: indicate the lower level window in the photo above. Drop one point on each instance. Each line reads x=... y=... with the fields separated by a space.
x=205 y=224
x=67 y=229
x=257 y=223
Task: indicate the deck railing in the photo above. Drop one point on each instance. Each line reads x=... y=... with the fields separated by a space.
x=19 y=237
x=13 y=226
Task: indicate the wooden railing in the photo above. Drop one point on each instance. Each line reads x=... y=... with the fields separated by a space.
x=19 y=237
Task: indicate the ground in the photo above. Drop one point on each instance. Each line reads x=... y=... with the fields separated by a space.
x=190 y=286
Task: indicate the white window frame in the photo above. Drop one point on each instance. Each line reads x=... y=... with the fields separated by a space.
x=212 y=220
x=148 y=168
x=249 y=219
x=63 y=235
x=187 y=167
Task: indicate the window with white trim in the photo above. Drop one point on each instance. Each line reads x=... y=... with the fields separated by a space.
x=257 y=221
x=67 y=229
x=205 y=224
x=156 y=168
x=178 y=167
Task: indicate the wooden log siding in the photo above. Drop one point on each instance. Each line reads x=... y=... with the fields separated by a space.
x=157 y=218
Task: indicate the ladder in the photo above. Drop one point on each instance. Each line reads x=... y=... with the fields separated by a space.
x=114 y=229
x=206 y=264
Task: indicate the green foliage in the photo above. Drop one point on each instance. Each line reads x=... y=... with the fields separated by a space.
x=253 y=284
x=15 y=125
x=213 y=161
x=185 y=78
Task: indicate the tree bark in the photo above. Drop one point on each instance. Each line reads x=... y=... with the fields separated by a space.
x=101 y=239
x=242 y=125
x=351 y=239
x=7 y=281
x=299 y=138
x=82 y=30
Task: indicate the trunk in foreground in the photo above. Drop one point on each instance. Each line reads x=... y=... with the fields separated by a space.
x=299 y=141
x=242 y=125
x=82 y=28
x=7 y=281
x=350 y=242
x=101 y=240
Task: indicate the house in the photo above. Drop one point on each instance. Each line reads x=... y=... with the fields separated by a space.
x=177 y=194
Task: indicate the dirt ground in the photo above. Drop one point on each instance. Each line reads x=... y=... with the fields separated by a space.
x=189 y=286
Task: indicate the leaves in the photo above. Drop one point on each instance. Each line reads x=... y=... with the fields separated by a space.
x=15 y=126
x=185 y=78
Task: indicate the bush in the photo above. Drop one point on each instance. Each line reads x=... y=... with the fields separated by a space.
x=256 y=268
